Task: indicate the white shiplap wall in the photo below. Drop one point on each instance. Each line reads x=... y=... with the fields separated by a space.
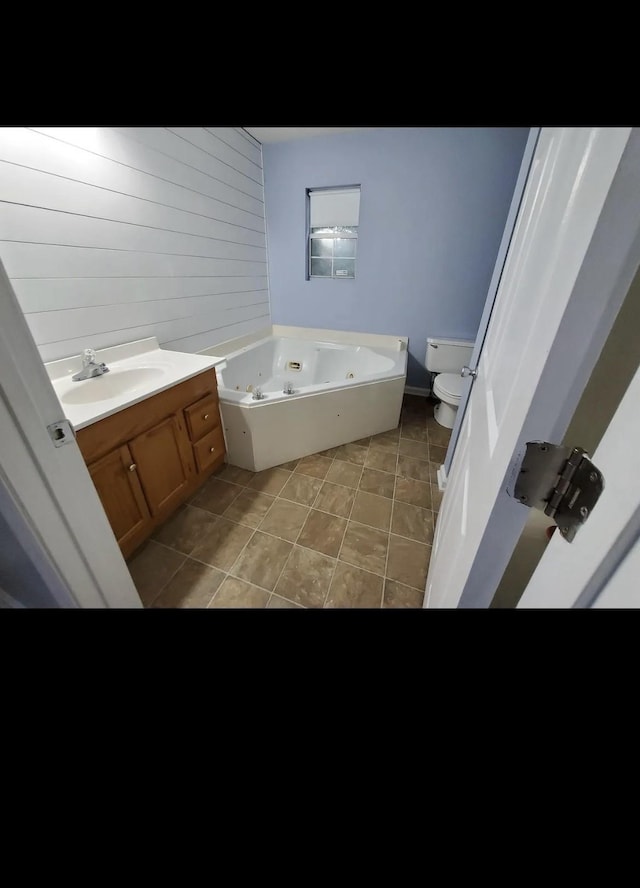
x=112 y=234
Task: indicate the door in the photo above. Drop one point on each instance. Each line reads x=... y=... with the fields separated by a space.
x=116 y=481
x=512 y=215
x=163 y=462
x=596 y=569
x=45 y=487
x=574 y=251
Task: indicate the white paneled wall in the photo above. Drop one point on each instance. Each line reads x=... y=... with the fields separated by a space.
x=111 y=234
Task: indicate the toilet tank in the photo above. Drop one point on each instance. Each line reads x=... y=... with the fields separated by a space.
x=448 y=355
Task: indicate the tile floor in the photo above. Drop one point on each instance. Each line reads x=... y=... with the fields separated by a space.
x=348 y=527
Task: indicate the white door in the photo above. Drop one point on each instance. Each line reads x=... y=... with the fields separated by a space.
x=516 y=200
x=46 y=492
x=574 y=251
x=597 y=568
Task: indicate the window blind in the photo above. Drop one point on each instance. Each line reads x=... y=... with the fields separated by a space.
x=337 y=206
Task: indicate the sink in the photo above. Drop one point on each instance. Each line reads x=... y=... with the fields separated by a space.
x=111 y=385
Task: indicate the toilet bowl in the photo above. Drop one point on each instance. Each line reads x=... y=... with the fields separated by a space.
x=446 y=358
x=448 y=388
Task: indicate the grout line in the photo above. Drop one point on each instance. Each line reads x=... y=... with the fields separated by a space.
x=312 y=506
x=411 y=588
x=294 y=543
x=284 y=567
x=164 y=585
x=259 y=493
x=255 y=530
x=228 y=576
x=229 y=504
x=335 y=567
x=196 y=561
x=170 y=578
x=164 y=546
x=393 y=503
x=284 y=598
x=407 y=586
x=296 y=604
x=219 y=587
x=241 y=553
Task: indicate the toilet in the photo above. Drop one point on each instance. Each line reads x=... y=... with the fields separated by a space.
x=447 y=357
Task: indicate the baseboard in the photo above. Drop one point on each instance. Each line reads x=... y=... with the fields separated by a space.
x=416 y=390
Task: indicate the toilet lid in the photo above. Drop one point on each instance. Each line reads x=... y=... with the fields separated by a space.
x=449 y=384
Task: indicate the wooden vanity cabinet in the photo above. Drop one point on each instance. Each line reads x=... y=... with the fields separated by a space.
x=149 y=458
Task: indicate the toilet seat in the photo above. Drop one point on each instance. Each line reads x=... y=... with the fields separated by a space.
x=448 y=387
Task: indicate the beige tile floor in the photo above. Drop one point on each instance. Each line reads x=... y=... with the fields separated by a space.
x=348 y=527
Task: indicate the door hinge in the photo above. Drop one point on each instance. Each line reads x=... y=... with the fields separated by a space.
x=560 y=481
x=61 y=432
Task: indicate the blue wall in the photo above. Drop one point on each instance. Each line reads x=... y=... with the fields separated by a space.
x=432 y=211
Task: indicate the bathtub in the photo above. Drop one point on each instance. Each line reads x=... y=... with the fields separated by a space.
x=342 y=391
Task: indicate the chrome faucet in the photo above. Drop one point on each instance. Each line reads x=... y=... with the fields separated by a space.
x=288 y=389
x=90 y=367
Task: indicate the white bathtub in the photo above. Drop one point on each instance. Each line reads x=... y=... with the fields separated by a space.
x=342 y=392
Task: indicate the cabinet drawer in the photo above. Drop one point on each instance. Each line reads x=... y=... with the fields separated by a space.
x=202 y=416
x=209 y=449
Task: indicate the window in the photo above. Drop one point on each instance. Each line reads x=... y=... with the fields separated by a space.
x=333 y=231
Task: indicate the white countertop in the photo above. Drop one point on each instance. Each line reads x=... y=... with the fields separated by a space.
x=137 y=370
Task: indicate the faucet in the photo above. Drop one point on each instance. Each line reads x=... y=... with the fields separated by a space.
x=90 y=367
x=257 y=394
x=288 y=389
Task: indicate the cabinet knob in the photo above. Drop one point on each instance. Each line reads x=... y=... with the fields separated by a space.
x=206 y=416
x=132 y=467
x=212 y=450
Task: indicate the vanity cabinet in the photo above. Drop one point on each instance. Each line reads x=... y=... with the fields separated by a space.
x=149 y=458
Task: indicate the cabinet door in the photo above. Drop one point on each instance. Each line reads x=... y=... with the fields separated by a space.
x=118 y=487
x=165 y=465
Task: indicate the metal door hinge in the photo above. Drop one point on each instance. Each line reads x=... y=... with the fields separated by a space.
x=61 y=432
x=560 y=481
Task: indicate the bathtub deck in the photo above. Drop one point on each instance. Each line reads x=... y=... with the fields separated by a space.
x=349 y=527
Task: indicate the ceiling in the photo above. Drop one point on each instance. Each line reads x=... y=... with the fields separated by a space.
x=284 y=133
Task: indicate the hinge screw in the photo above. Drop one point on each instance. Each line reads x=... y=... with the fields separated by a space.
x=593 y=477
x=584 y=511
x=524 y=499
x=564 y=530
